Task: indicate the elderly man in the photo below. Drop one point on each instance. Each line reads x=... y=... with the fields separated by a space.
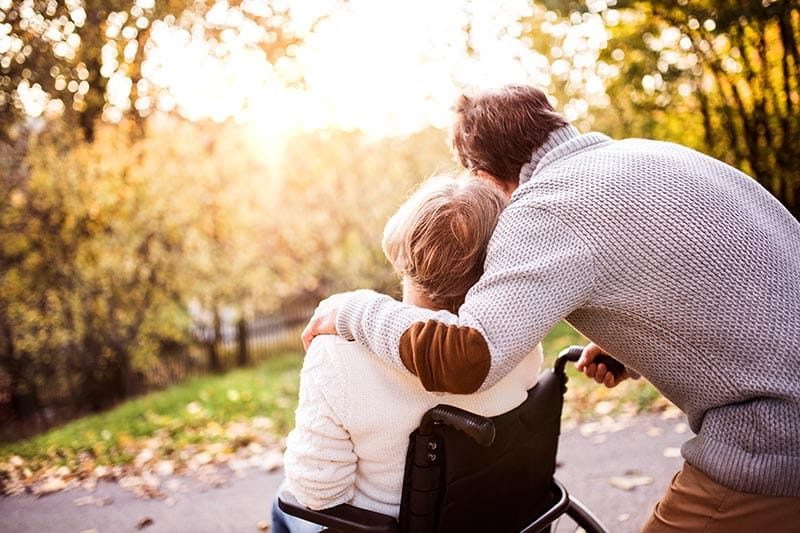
x=683 y=268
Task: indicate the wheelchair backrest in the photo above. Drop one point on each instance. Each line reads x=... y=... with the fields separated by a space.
x=453 y=484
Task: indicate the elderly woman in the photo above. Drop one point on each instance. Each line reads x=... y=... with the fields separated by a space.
x=355 y=411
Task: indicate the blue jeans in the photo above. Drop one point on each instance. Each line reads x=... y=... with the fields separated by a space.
x=284 y=523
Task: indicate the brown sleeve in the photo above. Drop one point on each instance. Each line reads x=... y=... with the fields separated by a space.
x=446 y=358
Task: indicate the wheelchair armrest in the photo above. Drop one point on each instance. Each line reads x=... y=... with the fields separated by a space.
x=479 y=428
x=342 y=517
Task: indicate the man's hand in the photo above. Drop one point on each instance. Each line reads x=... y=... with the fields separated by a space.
x=323 y=322
x=598 y=372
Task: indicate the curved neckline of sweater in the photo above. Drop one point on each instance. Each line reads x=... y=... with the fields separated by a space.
x=560 y=142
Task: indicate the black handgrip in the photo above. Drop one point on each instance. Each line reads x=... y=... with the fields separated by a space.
x=477 y=427
x=612 y=365
x=573 y=353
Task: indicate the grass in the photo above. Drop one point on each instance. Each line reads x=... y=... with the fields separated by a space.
x=560 y=337
x=184 y=411
x=197 y=411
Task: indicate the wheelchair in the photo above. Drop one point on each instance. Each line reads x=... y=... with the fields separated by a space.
x=465 y=472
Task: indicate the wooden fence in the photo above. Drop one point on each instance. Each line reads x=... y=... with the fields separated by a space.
x=242 y=343
x=225 y=345
x=214 y=347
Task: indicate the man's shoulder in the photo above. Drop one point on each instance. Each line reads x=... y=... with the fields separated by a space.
x=618 y=169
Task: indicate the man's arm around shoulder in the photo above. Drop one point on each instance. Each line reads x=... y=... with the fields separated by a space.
x=537 y=271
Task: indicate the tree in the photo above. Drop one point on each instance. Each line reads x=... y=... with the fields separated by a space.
x=337 y=190
x=107 y=232
x=62 y=53
x=90 y=258
x=723 y=77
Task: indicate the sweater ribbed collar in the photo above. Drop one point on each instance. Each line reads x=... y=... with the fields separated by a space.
x=562 y=141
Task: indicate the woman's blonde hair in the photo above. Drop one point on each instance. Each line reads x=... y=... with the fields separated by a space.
x=438 y=237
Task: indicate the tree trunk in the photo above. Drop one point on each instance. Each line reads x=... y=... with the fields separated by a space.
x=241 y=337
x=24 y=394
x=214 y=363
x=124 y=374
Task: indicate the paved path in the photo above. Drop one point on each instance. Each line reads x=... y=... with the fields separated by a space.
x=590 y=456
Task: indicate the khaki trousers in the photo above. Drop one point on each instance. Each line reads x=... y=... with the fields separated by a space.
x=694 y=502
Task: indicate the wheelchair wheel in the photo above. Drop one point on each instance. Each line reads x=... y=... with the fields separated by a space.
x=583 y=517
x=566 y=515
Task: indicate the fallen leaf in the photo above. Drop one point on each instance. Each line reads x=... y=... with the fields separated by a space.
x=262 y=525
x=165 y=468
x=262 y=422
x=604 y=407
x=130 y=482
x=238 y=465
x=85 y=500
x=144 y=522
x=143 y=457
x=606 y=424
x=200 y=459
x=654 y=431
x=671 y=452
x=272 y=460
x=255 y=448
x=568 y=425
x=174 y=485
x=91 y=500
x=681 y=428
x=102 y=471
x=194 y=408
x=104 y=501
x=152 y=461
x=630 y=482
x=53 y=484
x=210 y=475
x=671 y=412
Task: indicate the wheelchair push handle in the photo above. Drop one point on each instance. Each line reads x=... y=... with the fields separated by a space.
x=477 y=427
x=573 y=353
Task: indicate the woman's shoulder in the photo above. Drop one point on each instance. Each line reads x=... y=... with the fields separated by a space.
x=329 y=354
x=333 y=348
x=350 y=377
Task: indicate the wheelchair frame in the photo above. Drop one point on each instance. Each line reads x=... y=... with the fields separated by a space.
x=347 y=518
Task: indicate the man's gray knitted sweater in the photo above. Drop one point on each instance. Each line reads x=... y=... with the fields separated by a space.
x=680 y=266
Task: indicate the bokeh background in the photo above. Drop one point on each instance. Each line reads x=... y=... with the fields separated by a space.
x=182 y=180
